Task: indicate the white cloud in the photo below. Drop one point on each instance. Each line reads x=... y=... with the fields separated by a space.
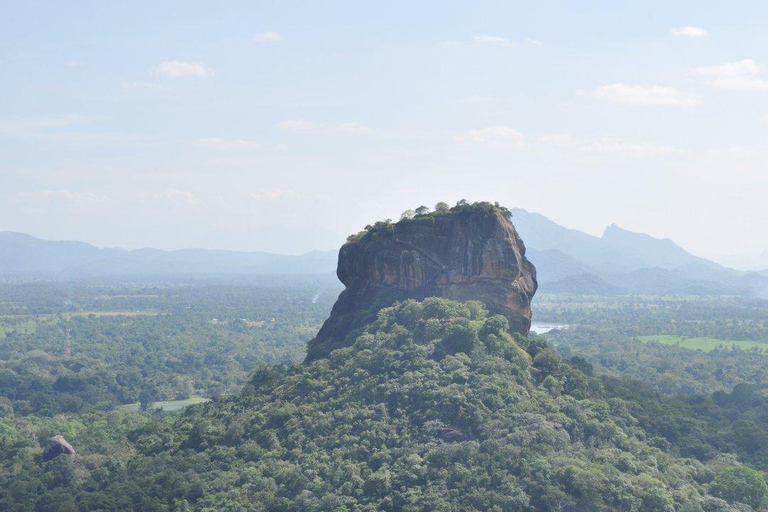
x=58 y=129
x=495 y=136
x=479 y=99
x=273 y=193
x=98 y=138
x=354 y=127
x=228 y=144
x=534 y=41
x=737 y=75
x=267 y=37
x=180 y=68
x=689 y=31
x=70 y=197
x=764 y=119
x=626 y=149
x=558 y=139
x=505 y=137
x=304 y=125
x=181 y=196
x=604 y=146
x=21 y=126
x=173 y=196
x=495 y=40
x=297 y=125
x=74 y=197
x=139 y=84
x=644 y=95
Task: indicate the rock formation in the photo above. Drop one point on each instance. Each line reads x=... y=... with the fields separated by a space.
x=471 y=252
x=56 y=446
x=451 y=435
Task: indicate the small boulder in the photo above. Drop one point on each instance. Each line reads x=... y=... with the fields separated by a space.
x=56 y=446
x=451 y=435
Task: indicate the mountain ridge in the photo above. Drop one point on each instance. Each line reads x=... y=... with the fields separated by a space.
x=542 y=233
x=624 y=261
x=568 y=261
x=25 y=255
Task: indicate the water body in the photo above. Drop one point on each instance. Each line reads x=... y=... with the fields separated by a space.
x=543 y=328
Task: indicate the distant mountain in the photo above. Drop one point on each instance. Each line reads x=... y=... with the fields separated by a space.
x=26 y=256
x=621 y=261
x=617 y=250
x=747 y=262
x=567 y=261
x=580 y=284
x=541 y=234
x=553 y=264
x=647 y=251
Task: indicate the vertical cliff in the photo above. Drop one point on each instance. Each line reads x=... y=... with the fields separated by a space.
x=471 y=252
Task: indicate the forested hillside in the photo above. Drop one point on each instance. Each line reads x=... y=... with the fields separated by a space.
x=435 y=407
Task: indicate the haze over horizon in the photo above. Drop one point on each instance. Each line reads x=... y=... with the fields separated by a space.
x=265 y=129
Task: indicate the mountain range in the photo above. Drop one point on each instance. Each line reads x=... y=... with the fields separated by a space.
x=567 y=261
x=23 y=255
x=621 y=261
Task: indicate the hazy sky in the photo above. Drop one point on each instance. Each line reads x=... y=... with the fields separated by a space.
x=284 y=126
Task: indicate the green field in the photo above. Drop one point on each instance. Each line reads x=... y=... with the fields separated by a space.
x=73 y=314
x=703 y=344
x=170 y=405
x=26 y=327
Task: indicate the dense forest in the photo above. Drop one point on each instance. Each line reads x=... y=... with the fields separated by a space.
x=728 y=318
x=435 y=407
x=88 y=347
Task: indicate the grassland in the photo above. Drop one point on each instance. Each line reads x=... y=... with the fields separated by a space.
x=703 y=344
x=25 y=327
x=170 y=405
x=69 y=316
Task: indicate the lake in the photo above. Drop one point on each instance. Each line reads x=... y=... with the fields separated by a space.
x=543 y=328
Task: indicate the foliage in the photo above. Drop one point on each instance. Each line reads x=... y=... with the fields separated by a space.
x=741 y=485
x=363 y=430
x=617 y=425
x=666 y=368
x=724 y=318
x=106 y=347
x=422 y=214
x=705 y=344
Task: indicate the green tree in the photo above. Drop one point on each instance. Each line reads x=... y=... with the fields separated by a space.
x=442 y=207
x=547 y=362
x=741 y=485
x=146 y=398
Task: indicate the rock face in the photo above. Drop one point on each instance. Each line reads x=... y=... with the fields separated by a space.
x=56 y=446
x=451 y=435
x=469 y=253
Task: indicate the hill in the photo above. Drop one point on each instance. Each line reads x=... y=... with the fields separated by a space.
x=617 y=250
x=470 y=251
x=26 y=256
x=622 y=261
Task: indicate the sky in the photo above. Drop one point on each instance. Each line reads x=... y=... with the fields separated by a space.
x=285 y=126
